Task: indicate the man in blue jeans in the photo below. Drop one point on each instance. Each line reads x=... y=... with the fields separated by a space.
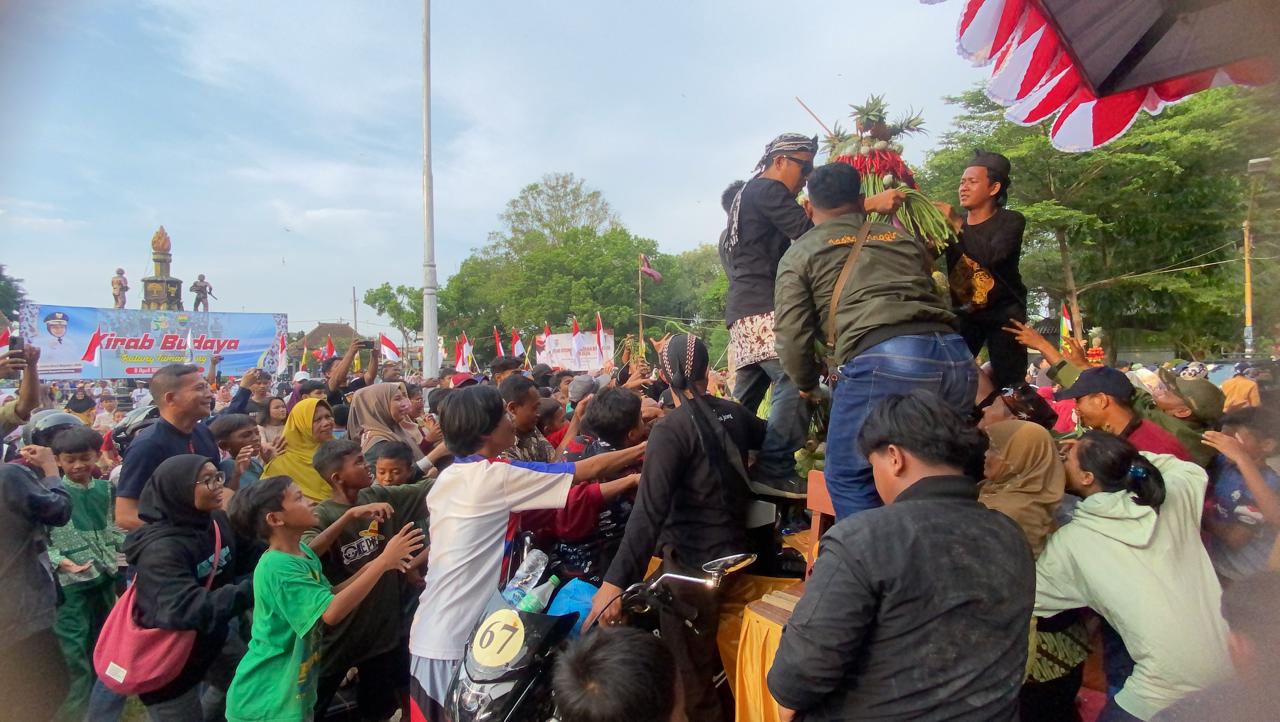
x=890 y=330
x=764 y=218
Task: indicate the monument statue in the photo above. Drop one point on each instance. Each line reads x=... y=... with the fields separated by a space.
x=119 y=287
x=161 y=292
x=203 y=290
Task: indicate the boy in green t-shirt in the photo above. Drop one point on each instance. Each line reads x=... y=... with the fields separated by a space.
x=84 y=556
x=371 y=639
x=276 y=679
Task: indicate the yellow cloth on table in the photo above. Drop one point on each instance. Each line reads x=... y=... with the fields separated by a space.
x=736 y=592
x=757 y=647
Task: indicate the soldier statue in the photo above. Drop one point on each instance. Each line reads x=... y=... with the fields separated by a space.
x=203 y=290
x=119 y=287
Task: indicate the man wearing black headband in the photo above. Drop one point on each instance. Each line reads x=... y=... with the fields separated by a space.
x=764 y=218
x=986 y=287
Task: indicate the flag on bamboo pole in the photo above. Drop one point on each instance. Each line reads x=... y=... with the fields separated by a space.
x=648 y=270
x=497 y=342
x=517 y=345
x=599 y=339
x=1065 y=327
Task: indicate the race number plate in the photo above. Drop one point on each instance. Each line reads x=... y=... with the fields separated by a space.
x=499 y=640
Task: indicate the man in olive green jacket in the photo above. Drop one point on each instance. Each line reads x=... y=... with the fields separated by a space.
x=892 y=331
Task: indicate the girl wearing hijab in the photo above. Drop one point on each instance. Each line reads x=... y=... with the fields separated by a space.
x=1132 y=552
x=380 y=414
x=173 y=554
x=1025 y=479
x=271 y=420
x=310 y=424
x=691 y=504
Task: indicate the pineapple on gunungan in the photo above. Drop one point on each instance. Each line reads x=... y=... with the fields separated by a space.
x=875 y=150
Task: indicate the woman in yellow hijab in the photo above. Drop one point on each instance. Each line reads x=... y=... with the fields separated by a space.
x=309 y=425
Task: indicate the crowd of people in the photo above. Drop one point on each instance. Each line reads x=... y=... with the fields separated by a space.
x=996 y=523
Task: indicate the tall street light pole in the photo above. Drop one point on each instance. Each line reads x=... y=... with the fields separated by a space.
x=430 y=324
x=1257 y=168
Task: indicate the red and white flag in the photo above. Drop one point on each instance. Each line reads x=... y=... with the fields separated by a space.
x=92 y=354
x=329 y=351
x=282 y=355
x=497 y=341
x=599 y=339
x=542 y=341
x=517 y=346
x=390 y=351
x=578 y=343
x=459 y=356
x=4 y=340
x=648 y=270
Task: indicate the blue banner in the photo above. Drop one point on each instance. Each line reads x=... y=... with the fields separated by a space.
x=135 y=344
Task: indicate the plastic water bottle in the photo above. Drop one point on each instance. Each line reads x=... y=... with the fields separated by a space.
x=526 y=577
x=538 y=599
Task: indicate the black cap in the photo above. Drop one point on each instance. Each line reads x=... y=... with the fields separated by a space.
x=1099 y=380
x=56 y=317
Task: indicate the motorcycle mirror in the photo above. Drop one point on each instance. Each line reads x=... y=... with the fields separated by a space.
x=728 y=565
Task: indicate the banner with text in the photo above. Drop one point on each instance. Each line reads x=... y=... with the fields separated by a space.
x=560 y=352
x=134 y=344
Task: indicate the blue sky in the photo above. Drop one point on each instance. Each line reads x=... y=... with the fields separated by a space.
x=280 y=142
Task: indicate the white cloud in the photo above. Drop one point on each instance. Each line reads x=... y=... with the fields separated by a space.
x=312 y=176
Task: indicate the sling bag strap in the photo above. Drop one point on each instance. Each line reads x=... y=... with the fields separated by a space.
x=845 y=272
x=217 y=554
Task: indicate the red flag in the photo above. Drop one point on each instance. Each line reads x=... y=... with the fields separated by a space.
x=92 y=354
x=517 y=346
x=497 y=341
x=390 y=351
x=329 y=351
x=459 y=355
x=542 y=341
x=648 y=270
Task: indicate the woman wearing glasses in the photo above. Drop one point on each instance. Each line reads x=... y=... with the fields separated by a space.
x=173 y=554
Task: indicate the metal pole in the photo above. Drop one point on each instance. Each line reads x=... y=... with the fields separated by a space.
x=430 y=323
x=1257 y=168
x=1248 y=291
x=355 y=323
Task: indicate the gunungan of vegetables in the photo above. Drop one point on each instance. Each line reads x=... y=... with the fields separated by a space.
x=875 y=151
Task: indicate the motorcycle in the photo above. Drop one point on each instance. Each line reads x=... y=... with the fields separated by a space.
x=505 y=675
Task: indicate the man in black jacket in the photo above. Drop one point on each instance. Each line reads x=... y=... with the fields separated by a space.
x=986 y=286
x=33 y=675
x=918 y=609
x=691 y=506
x=764 y=218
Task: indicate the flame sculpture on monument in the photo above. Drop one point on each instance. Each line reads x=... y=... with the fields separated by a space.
x=161 y=292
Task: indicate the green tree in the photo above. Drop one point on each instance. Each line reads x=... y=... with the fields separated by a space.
x=549 y=209
x=402 y=305
x=11 y=294
x=1140 y=234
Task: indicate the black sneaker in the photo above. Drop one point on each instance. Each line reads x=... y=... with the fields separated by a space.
x=792 y=487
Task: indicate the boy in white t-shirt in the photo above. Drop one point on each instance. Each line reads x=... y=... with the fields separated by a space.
x=469 y=507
